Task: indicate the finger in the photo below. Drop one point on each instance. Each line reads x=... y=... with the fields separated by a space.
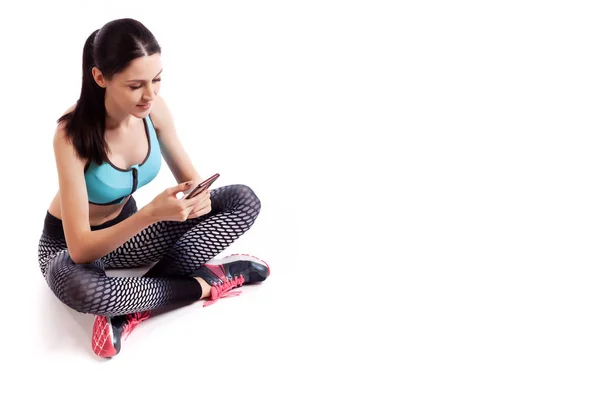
x=180 y=188
x=200 y=197
x=194 y=215
x=204 y=196
x=197 y=202
x=200 y=212
x=202 y=202
x=191 y=208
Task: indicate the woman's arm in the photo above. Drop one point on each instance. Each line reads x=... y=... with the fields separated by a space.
x=84 y=244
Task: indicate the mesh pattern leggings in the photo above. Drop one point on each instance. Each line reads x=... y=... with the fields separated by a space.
x=177 y=248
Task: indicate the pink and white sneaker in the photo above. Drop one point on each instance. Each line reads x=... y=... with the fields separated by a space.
x=232 y=271
x=108 y=332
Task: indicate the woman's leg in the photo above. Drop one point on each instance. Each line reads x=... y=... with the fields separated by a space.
x=86 y=288
x=179 y=248
x=234 y=210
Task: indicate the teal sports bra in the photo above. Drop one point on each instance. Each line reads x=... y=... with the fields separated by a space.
x=108 y=184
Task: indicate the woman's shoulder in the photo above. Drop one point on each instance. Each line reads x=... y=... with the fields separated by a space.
x=60 y=133
x=68 y=110
x=61 y=125
x=160 y=114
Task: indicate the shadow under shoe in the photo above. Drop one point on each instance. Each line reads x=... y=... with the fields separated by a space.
x=230 y=272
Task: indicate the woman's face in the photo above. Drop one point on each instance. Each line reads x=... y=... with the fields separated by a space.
x=134 y=89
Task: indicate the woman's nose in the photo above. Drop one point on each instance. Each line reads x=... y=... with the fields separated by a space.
x=149 y=93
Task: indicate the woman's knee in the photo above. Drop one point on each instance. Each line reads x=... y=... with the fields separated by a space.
x=248 y=201
x=82 y=287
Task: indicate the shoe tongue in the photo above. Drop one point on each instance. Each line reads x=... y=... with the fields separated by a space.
x=217 y=270
x=118 y=321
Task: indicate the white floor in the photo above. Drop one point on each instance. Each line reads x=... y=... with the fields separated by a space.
x=429 y=179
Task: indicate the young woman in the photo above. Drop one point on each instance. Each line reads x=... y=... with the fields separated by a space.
x=108 y=145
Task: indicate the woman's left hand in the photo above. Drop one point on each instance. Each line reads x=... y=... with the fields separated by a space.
x=203 y=205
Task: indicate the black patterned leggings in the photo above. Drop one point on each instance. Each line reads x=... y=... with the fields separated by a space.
x=177 y=248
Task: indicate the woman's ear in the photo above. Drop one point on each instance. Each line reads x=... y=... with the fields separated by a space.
x=98 y=77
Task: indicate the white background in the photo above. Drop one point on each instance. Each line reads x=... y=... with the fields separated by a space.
x=429 y=179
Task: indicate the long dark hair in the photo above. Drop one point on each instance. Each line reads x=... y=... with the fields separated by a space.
x=110 y=49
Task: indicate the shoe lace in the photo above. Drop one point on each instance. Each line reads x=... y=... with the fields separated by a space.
x=134 y=320
x=223 y=290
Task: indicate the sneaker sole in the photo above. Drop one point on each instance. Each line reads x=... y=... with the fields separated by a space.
x=240 y=257
x=102 y=343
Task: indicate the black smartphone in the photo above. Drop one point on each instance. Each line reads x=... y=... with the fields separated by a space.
x=202 y=186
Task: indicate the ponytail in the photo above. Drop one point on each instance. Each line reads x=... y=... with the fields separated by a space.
x=85 y=124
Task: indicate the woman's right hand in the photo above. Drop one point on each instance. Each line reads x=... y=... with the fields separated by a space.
x=167 y=207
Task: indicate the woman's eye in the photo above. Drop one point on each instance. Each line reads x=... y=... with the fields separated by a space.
x=139 y=87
